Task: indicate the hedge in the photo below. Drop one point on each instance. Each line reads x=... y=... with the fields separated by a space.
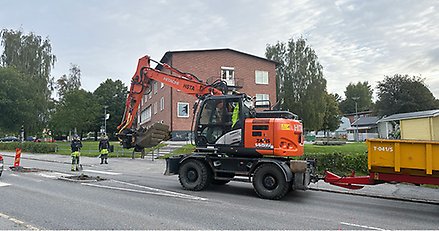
x=339 y=163
x=31 y=147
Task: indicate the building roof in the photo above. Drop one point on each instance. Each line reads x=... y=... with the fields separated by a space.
x=366 y=120
x=411 y=115
x=168 y=54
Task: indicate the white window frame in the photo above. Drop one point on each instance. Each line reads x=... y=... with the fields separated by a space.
x=263 y=97
x=162 y=103
x=178 y=110
x=162 y=85
x=155 y=87
x=145 y=116
x=230 y=79
x=155 y=108
x=261 y=77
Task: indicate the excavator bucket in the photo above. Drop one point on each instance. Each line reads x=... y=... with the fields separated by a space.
x=144 y=137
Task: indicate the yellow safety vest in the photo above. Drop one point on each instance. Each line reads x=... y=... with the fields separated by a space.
x=235 y=115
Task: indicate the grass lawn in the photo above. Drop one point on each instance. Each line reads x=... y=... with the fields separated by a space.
x=90 y=148
x=350 y=148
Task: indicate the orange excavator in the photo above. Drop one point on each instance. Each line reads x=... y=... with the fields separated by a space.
x=233 y=140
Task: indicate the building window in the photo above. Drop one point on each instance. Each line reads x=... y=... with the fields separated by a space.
x=261 y=77
x=155 y=108
x=145 y=116
x=150 y=95
x=228 y=75
x=162 y=104
x=155 y=87
x=263 y=99
x=162 y=85
x=183 y=109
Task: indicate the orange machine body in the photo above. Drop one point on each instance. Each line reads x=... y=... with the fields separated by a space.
x=274 y=136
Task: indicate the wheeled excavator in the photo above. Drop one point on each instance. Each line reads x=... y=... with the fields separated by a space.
x=233 y=140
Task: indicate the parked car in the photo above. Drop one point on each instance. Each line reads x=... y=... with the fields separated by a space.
x=1 y=164
x=9 y=139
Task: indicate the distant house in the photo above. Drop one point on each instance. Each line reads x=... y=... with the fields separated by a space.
x=341 y=131
x=422 y=125
x=363 y=128
x=354 y=116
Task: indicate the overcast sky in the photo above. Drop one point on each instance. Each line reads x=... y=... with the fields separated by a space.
x=354 y=40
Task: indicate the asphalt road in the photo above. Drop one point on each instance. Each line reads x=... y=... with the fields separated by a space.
x=136 y=195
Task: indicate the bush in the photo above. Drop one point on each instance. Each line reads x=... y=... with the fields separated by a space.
x=29 y=147
x=339 y=163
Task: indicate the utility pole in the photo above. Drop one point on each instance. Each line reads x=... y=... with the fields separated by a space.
x=105 y=119
x=356 y=117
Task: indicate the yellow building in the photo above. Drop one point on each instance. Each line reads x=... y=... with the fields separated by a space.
x=423 y=125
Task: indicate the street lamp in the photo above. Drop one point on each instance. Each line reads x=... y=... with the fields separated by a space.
x=105 y=119
x=356 y=117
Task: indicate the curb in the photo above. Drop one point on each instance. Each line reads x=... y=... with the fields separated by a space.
x=377 y=196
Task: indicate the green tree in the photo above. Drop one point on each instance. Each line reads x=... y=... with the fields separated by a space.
x=77 y=110
x=331 y=120
x=69 y=83
x=402 y=93
x=16 y=104
x=301 y=86
x=111 y=94
x=360 y=93
x=32 y=56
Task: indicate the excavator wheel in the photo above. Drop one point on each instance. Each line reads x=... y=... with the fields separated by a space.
x=269 y=182
x=194 y=175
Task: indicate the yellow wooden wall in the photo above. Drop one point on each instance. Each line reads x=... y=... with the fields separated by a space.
x=417 y=129
x=435 y=128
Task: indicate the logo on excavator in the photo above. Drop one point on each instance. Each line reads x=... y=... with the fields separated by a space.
x=173 y=81
x=263 y=143
x=190 y=87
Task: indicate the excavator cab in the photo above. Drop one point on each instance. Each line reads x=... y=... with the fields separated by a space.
x=220 y=120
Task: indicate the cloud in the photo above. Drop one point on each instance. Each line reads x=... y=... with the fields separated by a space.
x=354 y=40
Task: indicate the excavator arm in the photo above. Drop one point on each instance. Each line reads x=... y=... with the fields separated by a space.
x=142 y=80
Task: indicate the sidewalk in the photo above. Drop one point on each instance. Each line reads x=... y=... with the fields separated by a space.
x=406 y=192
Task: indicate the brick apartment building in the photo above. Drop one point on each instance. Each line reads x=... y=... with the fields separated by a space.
x=243 y=72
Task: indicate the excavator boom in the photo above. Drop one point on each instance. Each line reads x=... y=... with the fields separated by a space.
x=141 y=81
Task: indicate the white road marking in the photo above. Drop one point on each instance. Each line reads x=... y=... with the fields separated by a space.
x=156 y=189
x=18 y=222
x=53 y=175
x=4 y=184
x=361 y=226
x=102 y=172
x=157 y=192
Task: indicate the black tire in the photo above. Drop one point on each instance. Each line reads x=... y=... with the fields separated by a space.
x=194 y=175
x=269 y=182
x=220 y=182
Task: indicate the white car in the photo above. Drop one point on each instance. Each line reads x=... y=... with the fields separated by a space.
x=1 y=164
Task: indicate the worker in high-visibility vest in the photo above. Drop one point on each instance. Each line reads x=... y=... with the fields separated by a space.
x=76 y=146
x=104 y=146
x=235 y=115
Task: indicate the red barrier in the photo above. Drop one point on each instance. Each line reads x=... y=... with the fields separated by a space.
x=17 y=157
